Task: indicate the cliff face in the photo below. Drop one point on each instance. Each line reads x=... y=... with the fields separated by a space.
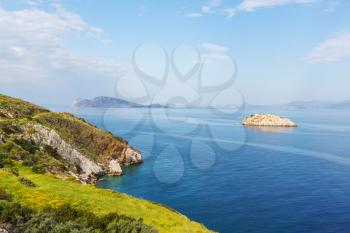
x=62 y=144
x=42 y=135
x=268 y=120
x=89 y=170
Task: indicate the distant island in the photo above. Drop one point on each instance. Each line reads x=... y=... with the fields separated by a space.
x=111 y=102
x=268 y=120
x=49 y=163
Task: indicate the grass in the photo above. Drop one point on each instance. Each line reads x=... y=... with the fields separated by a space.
x=53 y=192
x=16 y=108
x=34 y=189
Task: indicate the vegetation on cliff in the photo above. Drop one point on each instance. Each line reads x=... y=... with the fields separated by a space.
x=17 y=108
x=35 y=198
x=90 y=140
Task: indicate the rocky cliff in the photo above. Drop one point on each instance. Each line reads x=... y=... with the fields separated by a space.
x=268 y=120
x=60 y=143
x=89 y=170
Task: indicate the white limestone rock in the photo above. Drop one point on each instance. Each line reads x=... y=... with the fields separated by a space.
x=268 y=120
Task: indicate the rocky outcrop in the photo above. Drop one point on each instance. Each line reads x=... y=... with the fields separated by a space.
x=130 y=156
x=3 y=230
x=43 y=135
x=6 y=114
x=268 y=120
x=114 y=168
x=89 y=170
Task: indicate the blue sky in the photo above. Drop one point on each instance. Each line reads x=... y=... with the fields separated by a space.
x=54 y=51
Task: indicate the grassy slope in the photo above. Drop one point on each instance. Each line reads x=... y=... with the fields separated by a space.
x=53 y=192
x=18 y=108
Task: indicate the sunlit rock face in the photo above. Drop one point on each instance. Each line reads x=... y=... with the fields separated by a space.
x=268 y=120
x=3 y=230
x=131 y=156
x=90 y=170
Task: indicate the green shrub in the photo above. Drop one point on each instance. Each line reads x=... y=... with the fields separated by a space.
x=52 y=152
x=4 y=195
x=67 y=219
x=38 y=169
x=14 y=171
x=26 y=182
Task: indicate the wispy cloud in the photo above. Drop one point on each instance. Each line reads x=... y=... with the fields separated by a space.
x=34 y=3
x=213 y=52
x=209 y=7
x=214 y=48
x=333 y=49
x=251 y=5
x=332 y=6
x=31 y=47
x=194 y=15
x=215 y=6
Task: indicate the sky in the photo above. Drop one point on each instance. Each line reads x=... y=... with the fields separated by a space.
x=217 y=52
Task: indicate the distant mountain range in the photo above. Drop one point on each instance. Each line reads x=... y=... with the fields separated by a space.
x=112 y=102
x=315 y=104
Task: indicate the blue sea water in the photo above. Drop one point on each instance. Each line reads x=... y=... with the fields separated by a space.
x=206 y=165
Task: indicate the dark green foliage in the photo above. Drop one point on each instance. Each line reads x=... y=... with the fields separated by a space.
x=26 y=182
x=27 y=145
x=4 y=195
x=9 y=127
x=14 y=213
x=38 y=169
x=52 y=152
x=66 y=219
x=41 y=159
x=5 y=161
x=14 y=171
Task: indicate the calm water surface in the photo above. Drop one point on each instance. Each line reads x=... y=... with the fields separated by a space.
x=236 y=179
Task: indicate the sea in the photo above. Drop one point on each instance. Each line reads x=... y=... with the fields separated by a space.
x=204 y=164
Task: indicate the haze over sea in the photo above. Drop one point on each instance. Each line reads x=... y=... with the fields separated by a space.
x=236 y=179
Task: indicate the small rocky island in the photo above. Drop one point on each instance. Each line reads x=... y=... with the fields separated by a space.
x=268 y=120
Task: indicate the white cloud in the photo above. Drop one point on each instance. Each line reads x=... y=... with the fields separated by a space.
x=213 y=52
x=252 y=5
x=332 y=49
x=229 y=12
x=210 y=5
x=34 y=3
x=214 y=48
x=213 y=6
x=31 y=47
x=194 y=15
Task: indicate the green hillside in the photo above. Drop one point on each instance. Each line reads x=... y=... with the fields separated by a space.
x=37 y=188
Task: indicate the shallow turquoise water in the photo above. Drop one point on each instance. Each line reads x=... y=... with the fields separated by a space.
x=236 y=179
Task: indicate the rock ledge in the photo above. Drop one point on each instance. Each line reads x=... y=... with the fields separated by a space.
x=268 y=120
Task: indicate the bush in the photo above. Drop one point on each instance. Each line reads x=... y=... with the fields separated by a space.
x=14 y=171
x=67 y=219
x=4 y=195
x=26 y=182
x=38 y=169
x=51 y=151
